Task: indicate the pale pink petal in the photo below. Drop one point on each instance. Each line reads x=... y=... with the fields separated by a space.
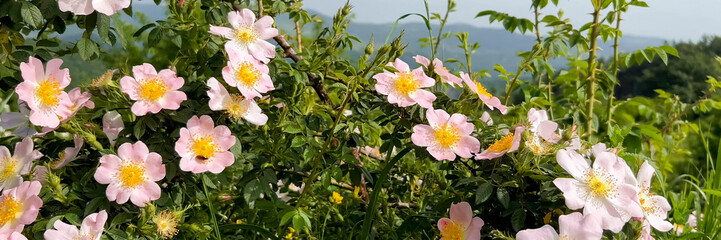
x=256 y=118
x=421 y=135
x=461 y=213
x=247 y=17
x=425 y=81
x=442 y=223
x=467 y=146
x=221 y=31
x=659 y=224
x=400 y=65
x=130 y=86
x=577 y=226
x=265 y=29
x=569 y=187
x=172 y=100
x=460 y=121
x=486 y=118
x=174 y=82
x=547 y=130
x=486 y=154
x=77 y=7
x=182 y=146
x=64 y=231
x=422 y=60
x=109 y=165
x=217 y=93
x=155 y=169
x=441 y=153
x=437 y=117
x=627 y=202
x=144 y=71
x=45 y=118
x=223 y=137
x=473 y=232
x=645 y=174
x=572 y=162
x=262 y=50
x=110 y=7
x=516 y=138
x=544 y=233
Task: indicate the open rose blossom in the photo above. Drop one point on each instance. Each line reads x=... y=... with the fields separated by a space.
x=112 y=125
x=69 y=154
x=446 y=136
x=462 y=225
x=204 y=147
x=542 y=127
x=91 y=228
x=12 y=166
x=603 y=190
x=571 y=226
x=655 y=208
x=80 y=100
x=19 y=206
x=488 y=99
x=509 y=143
x=131 y=174
x=43 y=91
x=153 y=91
x=86 y=7
x=404 y=87
x=446 y=76
x=247 y=74
x=237 y=106
x=249 y=36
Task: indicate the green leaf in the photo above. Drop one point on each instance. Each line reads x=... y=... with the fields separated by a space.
x=670 y=50
x=483 y=192
x=86 y=48
x=662 y=54
x=72 y=218
x=503 y=197
x=31 y=14
x=103 y=27
x=142 y=29
x=517 y=219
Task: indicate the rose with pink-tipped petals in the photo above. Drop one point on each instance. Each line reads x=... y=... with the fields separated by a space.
x=446 y=76
x=91 y=228
x=131 y=174
x=204 y=147
x=446 y=136
x=247 y=74
x=69 y=154
x=25 y=206
x=655 y=207
x=404 y=87
x=19 y=163
x=86 y=7
x=542 y=127
x=248 y=36
x=461 y=225
x=43 y=91
x=571 y=226
x=603 y=190
x=237 y=106
x=509 y=143
x=112 y=125
x=483 y=94
x=153 y=91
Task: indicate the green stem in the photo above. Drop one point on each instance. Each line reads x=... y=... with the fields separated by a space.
x=377 y=188
x=592 y=69
x=440 y=31
x=212 y=210
x=611 y=96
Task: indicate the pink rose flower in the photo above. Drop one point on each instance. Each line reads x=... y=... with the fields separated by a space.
x=12 y=166
x=80 y=100
x=20 y=207
x=509 y=143
x=404 y=87
x=486 y=118
x=655 y=208
x=69 y=154
x=603 y=190
x=571 y=226
x=20 y=121
x=13 y=236
x=247 y=74
x=483 y=94
x=204 y=147
x=462 y=225
x=86 y=7
x=237 y=106
x=542 y=127
x=153 y=91
x=131 y=174
x=446 y=76
x=43 y=91
x=446 y=136
x=112 y=125
x=91 y=228
x=248 y=36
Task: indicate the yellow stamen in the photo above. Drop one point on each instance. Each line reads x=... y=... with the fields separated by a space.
x=482 y=90
x=167 y=224
x=245 y=35
x=246 y=74
x=48 y=92
x=9 y=209
x=153 y=89
x=447 y=135
x=103 y=80
x=647 y=203
x=502 y=145
x=131 y=175
x=8 y=168
x=601 y=184
x=452 y=231
x=204 y=147
x=405 y=83
x=235 y=107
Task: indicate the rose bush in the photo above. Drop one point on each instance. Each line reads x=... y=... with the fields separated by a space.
x=212 y=123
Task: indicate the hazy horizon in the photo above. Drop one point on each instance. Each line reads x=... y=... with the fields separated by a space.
x=668 y=19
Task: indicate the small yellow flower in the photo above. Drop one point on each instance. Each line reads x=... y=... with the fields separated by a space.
x=357 y=193
x=239 y=221
x=167 y=224
x=291 y=233
x=336 y=199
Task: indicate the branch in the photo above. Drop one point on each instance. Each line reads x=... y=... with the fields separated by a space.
x=315 y=80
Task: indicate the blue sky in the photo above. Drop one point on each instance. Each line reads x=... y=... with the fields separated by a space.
x=676 y=20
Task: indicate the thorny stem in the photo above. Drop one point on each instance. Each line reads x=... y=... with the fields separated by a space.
x=299 y=36
x=592 y=69
x=611 y=96
x=513 y=82
x=440 y=32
